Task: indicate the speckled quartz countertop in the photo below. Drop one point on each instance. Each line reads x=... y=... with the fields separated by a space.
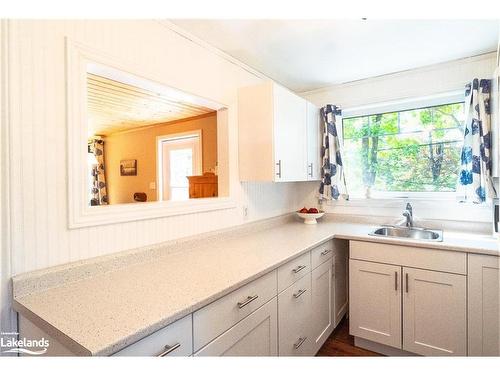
x=100 y=306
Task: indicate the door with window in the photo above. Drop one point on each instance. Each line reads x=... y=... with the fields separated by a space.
x=179 y=157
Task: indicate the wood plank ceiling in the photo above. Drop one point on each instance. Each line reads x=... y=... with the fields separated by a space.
x=116 y=106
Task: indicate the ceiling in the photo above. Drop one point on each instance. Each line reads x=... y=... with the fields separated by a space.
x=309 y=54
x=115 y=106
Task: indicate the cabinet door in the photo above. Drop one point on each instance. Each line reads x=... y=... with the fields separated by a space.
x=483 y=306
x=341 y=280
x=322 y=301
x=375 y=302
x=256 y=335
x=289 y=135
x=313 y=142
x=294 y=318
x=434 y=313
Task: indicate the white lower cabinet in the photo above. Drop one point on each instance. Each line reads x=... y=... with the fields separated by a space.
x=323 y=301
x=294 y=317
x=415 y=310
x=375 y=302
x=483 y=305
x=434 y=313
x=340 y=288
x=255 y=335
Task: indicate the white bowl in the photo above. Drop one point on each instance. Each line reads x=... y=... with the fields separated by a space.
x=310 y=218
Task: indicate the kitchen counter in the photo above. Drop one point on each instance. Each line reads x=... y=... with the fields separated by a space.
x=100 y=306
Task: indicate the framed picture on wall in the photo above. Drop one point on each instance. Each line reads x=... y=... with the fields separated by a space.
x=128 y=167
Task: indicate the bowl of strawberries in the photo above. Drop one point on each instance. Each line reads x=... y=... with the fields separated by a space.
x=310 y=215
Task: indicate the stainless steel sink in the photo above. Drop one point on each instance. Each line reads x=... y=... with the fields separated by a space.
x=413 y=233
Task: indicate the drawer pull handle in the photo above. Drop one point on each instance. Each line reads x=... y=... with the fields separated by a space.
x=248 y=300
x=299 y=342
x=298 y=269
x=396 y=280
x=406 y=277
x=324 y=252
x=169 y=349
x=299 y=293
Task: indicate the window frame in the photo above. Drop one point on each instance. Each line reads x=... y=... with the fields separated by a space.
x=406 y=104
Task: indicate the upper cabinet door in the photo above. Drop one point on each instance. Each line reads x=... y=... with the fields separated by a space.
x=313 y=143
x=289 y=135
x=375 y=302
x=435 y=316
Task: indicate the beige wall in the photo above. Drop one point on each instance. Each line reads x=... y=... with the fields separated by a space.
x=141 y=145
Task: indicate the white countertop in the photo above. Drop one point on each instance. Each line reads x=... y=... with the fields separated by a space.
x=102 y=314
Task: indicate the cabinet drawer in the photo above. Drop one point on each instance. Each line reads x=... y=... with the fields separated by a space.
x=294 y=319
x=256 y=335
x=173 y=340
x=321 y=254
x=217 y=317
x=293 y=270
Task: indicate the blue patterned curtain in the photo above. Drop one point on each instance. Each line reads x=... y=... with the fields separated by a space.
x=332 y=173
x=475 y=183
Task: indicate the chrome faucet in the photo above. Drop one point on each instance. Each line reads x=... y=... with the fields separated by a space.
x=408 y=214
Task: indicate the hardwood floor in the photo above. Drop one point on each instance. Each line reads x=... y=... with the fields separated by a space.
x=340 y=343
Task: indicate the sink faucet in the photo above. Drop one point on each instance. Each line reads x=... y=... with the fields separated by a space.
x=408 y=214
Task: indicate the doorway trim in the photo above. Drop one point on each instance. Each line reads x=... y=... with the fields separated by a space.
x=159 y=159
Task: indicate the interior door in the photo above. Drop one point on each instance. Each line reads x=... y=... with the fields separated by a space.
x=375 y=302
x=180 y=158
x=434 y=313
x=289 y=135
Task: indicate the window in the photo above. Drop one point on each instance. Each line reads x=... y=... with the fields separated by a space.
x=415 y=150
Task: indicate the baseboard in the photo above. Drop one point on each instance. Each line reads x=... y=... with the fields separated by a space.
x=381 y=348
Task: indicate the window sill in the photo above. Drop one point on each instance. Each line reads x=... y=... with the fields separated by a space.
x=424 y=208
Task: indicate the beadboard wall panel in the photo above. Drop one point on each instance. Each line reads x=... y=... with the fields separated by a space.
x=37 y=180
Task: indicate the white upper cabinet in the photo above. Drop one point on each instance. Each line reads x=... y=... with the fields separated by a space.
x=278 y=135
x=313 y=143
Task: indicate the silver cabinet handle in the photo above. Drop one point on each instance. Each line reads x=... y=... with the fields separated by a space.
x=406 y=286
x=324 y=252
x=298 y=269
x=247 y=301
x=279 y=168
x=299 y=293
x=311 y=172
x=396 y=280
x=299 y=342
x=169 y=349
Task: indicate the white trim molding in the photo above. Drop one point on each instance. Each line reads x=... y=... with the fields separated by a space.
x=80 y=214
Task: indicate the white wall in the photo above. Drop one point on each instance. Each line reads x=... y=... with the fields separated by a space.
x=430 y=80
x=37 y=179
x=427 y=81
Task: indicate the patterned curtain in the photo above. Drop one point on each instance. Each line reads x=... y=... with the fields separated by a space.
x=475 y=182
x=99 y=195
x=333 y=180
